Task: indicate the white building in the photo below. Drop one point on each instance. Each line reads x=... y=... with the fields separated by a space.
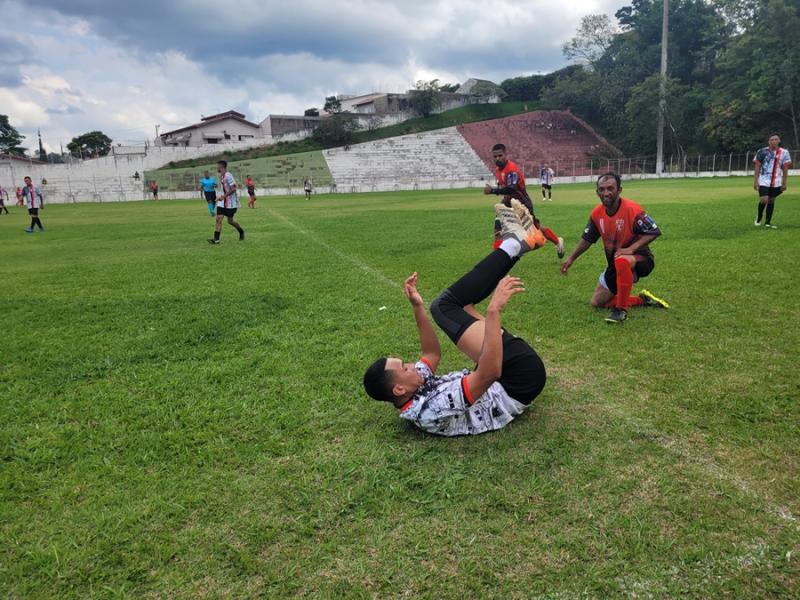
x=230 y=126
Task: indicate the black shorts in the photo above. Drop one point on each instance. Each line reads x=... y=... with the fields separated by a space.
x=547 y=186
x=34 y=212
x=523 y=374
x=155 y=193
x=226 y=212
x=210 y=196
x=251 y=191
x=643 y=267
x=769 y=192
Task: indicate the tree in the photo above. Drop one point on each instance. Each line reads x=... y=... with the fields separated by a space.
x=592 y=40
x=426 y=97
x=336 y=130
x=10 y=138
x=311 y=112
x=332 y=105
x=94 y=143
x=450 y=87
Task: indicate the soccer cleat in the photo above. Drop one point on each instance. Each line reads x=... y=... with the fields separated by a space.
x=770 y=226
x=757 y=223
x=651 y=299
x=241 y=237
x=526 y=218
x=510 y=226
x=213 y=241
x=560 y=247
x=29 y=230
x=616 y=315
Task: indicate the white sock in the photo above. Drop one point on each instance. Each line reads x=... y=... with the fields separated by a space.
x=511 y=247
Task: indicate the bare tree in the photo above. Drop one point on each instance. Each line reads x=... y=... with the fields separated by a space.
x=593 y=37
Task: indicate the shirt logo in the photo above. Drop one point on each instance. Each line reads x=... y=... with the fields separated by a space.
x=620 y=224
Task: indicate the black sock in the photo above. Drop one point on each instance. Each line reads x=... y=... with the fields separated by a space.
x=33 y=222
x=760 y=211
x=770 y=208
x=39 y=223
x=216 y=236
x=476 y=285
x=543 y=194
x=240 y=230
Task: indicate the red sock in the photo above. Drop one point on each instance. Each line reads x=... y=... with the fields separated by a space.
x=632 y=301
x=496 y=244
x=548 y=233
x=624 y=282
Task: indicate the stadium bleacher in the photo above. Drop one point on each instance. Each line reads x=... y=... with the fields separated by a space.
x=433 y=159
x=564 y=141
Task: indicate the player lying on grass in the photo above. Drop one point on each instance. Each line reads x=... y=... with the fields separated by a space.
x=511 y=184
x=627 y=231
x=509 y=373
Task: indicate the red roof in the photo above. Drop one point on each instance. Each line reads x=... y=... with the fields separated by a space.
x=231 y=114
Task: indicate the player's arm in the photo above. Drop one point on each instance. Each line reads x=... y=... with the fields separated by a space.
x=490 y=361
x=431 y=351
x=640 y=242
x=590 y=235
x=512 y=179
x=582 y=247
x=786 y=166
x=756 y=171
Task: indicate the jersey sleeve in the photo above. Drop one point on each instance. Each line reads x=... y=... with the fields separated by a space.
x=786 y=158
x=424 y=368
x=643 y=224
x=590 y=232
x=760 y=155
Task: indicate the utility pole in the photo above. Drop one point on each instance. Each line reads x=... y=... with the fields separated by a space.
x=662 y=96
x=156 y=140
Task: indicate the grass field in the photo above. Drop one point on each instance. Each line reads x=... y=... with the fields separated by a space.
x=187 y=421
x=267 y=172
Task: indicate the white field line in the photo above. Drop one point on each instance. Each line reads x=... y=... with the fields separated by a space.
x=675 y=446
x=334 y=250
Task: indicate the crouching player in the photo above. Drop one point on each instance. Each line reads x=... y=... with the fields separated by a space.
x=509 y=373
x=627 y=231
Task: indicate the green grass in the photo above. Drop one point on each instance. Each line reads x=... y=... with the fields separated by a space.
x=449 y=118
x=267 y=172
x=183 y=421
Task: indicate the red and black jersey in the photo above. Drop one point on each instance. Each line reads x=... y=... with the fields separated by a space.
x=511 y=183
x=621 y=229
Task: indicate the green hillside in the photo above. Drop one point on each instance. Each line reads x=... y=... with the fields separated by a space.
x=449 y=118
x=267 y=172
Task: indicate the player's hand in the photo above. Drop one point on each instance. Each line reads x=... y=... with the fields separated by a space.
x=566 y=265
x=783 y=187
x=755 y=186
x=623 y=252
x=410 y=290
x=508 y=286
x=487 y=189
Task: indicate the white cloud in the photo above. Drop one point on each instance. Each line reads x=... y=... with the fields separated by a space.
x=125 y=67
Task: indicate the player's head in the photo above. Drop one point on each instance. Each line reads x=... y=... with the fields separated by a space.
x=774 y=141
x=207 y=174
x=248 y=176
x=499 y=155
x=222 y=166
x=28 y=180
x=609 y=186
x=390 y=379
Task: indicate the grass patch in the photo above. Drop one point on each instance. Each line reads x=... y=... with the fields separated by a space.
x=180 y=420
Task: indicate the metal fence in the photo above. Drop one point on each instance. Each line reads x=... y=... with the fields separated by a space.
x=684 y=165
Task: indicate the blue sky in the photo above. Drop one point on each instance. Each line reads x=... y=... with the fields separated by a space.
x=71 y=66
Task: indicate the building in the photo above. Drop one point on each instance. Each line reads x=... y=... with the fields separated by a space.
x=230 y=126
x=277 y=126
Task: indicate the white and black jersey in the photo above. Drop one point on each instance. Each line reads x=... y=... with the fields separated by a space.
x=444 y=406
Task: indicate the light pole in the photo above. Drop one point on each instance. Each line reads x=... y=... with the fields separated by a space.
x=662 y=92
